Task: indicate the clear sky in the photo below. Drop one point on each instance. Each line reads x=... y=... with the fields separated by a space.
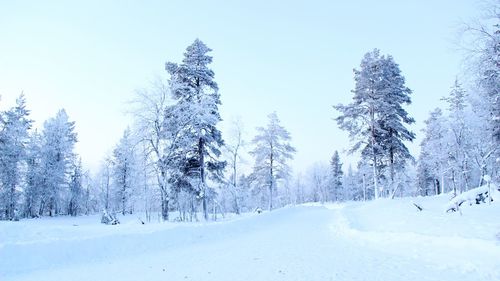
x=293 y=57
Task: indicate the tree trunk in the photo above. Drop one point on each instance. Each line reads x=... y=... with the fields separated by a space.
x=375 y=184
x=374 y=156
x=12 y=203
x=236 y=205
x=364 y=188
x=391 y=156
x=271 y=181
x=202 y=177
x=164 y=206
x=442 y=183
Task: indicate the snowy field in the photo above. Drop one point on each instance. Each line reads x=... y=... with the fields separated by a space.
x=378 y=240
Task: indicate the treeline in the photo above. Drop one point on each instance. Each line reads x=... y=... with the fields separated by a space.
x=174 y=160
x=460 y=149
x=39 y=172
x=177 y=153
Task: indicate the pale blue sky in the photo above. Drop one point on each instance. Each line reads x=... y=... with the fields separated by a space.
x=295 y=57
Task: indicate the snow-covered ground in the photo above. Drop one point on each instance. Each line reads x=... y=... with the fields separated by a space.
x=379 y=240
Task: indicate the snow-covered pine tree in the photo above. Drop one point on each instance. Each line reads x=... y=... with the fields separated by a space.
x=336 y=189
x=432 y=162
x=360 y=117
x=57 y=156
x=124 y=172
x=393 y=118
x=197 y=99
x=32 y=191
x=375 y=119
x=272 y=151
x=75 y=189
x=14 y=137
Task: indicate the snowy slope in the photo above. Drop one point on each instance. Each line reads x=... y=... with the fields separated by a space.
x=382 y=240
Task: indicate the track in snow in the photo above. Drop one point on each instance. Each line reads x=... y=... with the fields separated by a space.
x=297 y=243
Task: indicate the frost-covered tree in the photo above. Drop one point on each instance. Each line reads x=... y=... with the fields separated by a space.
x=33 y=182
x=272 y=151
x=336 y=174
x=348 y=181
x=14 y=137
x=375 y=119
x=482 y=45
x=76 y=189
x=159 y=134
x=233 y=148
x=124 y=172
x=364 y=187
x=196 y=109
x=426 y=183
x=458 y=158
x=103 y=184
x=393 y=120
x=318 y=183
x=56 y=157
x=433 y=160
x=299 y=190
x=489 y=89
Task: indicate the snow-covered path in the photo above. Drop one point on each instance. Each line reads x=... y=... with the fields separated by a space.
x=297 y=243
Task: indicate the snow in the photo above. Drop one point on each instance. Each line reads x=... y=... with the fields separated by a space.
x=377 y=240
x=470 y=196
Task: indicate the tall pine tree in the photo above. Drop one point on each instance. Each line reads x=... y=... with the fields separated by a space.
x=197 y=100
x=375 y=119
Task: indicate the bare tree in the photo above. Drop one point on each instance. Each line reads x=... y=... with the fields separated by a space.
x=233 y=147
x=150 y=125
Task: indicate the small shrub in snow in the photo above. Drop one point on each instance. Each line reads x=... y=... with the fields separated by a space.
x=108 y=218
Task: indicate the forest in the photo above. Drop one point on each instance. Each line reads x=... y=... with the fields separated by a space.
x=173 y=163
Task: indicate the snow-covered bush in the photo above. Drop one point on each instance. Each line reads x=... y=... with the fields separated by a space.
x=108 y=218
x=475 y=196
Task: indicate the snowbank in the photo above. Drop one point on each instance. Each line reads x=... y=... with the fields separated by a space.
x=474 y=196
x=378 y=240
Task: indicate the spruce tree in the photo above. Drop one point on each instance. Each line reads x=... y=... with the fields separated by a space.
x=336 y=174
